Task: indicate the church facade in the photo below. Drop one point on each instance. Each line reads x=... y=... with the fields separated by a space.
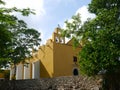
x=54 y=59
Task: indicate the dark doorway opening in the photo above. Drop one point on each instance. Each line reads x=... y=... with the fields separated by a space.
x=75 y=72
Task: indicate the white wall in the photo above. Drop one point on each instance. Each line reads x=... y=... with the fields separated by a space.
x=27 y=70
x=36 y=70
x=19 y=72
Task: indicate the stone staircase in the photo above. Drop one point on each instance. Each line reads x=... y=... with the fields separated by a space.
x=59 y=83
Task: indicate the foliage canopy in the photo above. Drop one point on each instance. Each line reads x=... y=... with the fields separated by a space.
x=16 y=39
x=99 y=38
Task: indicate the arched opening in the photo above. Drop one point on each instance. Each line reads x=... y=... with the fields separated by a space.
x=57 y=39
x=75 y=72
x=61 y=40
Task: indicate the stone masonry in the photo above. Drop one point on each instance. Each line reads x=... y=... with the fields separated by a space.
x=59 y=83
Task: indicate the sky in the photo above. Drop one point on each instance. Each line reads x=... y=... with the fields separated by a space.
x=50 y=13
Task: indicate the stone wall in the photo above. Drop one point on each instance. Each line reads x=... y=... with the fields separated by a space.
x=59 y=83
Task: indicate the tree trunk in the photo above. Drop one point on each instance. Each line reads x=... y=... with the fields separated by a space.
x=14 y=75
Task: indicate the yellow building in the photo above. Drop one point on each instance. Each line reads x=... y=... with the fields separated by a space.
x=4 y=74
x=54 y=59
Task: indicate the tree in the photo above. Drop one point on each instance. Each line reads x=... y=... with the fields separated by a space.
x=24 y=41
x=100 y=39
x=16 y=39
x=5 y=37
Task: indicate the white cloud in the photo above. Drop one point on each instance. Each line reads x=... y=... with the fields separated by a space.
x=36 y=21
x=37 y=5
x=84 y=13
x=33 y=21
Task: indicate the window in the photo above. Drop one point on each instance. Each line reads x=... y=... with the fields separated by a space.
x=74 y=59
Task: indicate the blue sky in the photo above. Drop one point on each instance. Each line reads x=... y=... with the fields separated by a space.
x=50 y=13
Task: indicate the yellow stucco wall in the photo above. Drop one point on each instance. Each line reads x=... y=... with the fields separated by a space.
x=63 y=59
x=4 y=74
x=46 y=60
x=56 y=57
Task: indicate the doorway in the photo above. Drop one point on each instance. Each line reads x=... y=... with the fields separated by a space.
x=75 y=72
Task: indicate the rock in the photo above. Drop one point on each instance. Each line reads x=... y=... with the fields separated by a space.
x=58 y=83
